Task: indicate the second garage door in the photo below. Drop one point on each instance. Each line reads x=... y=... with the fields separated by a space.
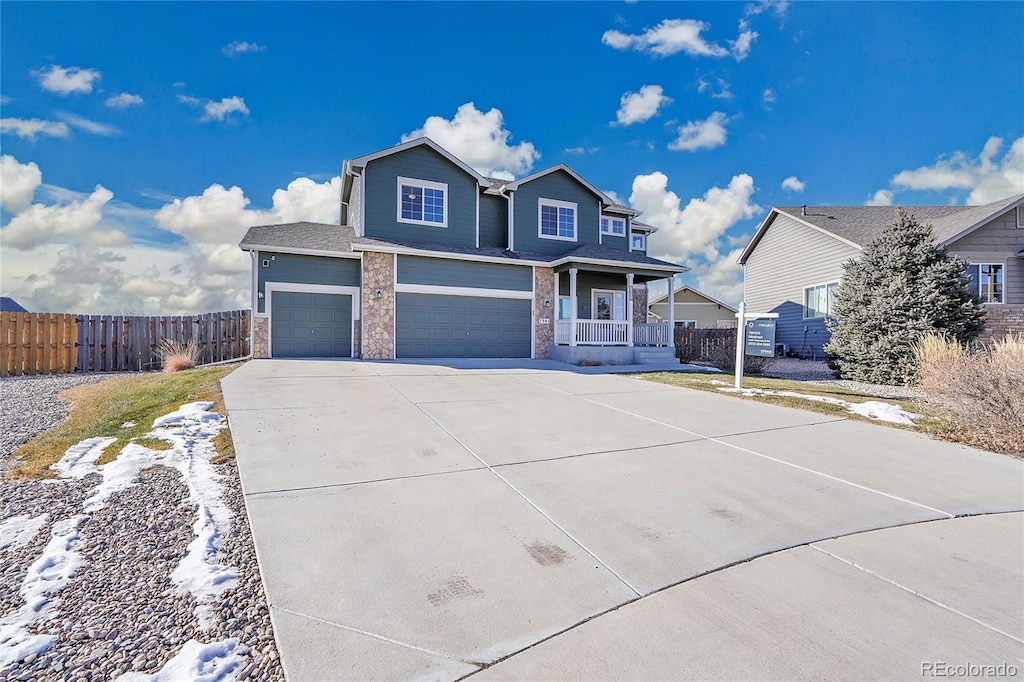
x=308 y=325
x=438 y=326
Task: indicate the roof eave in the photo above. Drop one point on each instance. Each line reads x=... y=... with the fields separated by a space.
x=361 y=161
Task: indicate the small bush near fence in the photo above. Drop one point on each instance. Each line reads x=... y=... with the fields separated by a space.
x=977 y=390
x=700 y=345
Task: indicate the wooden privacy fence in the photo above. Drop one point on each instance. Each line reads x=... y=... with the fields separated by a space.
x=114 y=343
x=700 y=344
x=37 y=343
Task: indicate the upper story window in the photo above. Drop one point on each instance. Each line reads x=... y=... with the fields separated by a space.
x=1020 y=216
x=819 y=299
x=422 y=202
x=556 y=219
x=638 y=241
x=987 y=281
x=613 y=226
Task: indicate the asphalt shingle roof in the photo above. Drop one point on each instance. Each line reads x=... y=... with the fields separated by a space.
x=314 y=236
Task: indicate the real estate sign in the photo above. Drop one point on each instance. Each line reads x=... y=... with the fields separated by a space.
x=760 y=338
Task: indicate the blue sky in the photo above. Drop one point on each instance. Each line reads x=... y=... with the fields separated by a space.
x=140 y=140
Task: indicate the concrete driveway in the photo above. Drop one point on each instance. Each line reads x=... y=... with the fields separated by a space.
x=522 y=522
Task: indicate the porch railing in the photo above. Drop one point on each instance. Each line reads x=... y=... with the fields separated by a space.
x=651 y=334
x=563 y=332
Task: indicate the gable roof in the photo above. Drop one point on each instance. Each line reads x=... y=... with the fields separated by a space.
x=664 y=296
x=299 y=238
x=361 y=161
x=857 y=225
x=643 y=227
x=606 y=201
x=9 y=305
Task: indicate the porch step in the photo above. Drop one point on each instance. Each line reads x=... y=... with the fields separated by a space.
x=654 y=356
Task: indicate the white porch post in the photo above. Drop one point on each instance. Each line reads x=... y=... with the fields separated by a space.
x=629 y=309
x=672 y=312
x=572 y=302
x=554 y=304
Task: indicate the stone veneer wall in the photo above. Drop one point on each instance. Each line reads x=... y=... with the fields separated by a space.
x=639 y=304
x=260 y=331
x=1001 y=320
x=377 y=336
x=544 y=290
x=357 y=328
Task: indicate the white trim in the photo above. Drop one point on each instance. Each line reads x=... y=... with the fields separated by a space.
x=533 y=314
x=361 y=161
x=362 y=203
x=511 y=222
x=461 y=291
x=555 y=203
x=594 y=293
x=254 y=296
x=302 y=252
x=477 y=216
x=642 y=235
x=297 y=288
x=602 y=197
x=679 y=269
x=770 y=218
x=610 y=232
x=394 y=307
x=1020 y=216
x=423 y=184
x=803 y=301
x=977 y=284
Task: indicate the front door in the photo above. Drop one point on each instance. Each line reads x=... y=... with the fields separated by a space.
x=609 y=305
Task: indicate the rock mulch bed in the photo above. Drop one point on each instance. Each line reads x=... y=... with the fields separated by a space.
x=817 y=371
x=119 y=611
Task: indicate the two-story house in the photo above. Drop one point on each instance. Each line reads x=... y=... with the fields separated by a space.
x=433 y=260
x=794 y=262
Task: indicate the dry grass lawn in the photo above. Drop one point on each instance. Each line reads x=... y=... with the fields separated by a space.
x=102 y=409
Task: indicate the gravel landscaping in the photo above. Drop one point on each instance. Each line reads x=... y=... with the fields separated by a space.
x=817 y=371
x=119 y=611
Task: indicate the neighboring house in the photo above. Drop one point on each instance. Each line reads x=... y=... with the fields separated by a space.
x=9 y=305
x=431 y=259
x=693 y=309
x=794 y=263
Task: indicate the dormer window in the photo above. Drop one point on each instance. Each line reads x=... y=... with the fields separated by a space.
x=616 y=227
x=422 y=202
x=556 y=219
x=638 y=241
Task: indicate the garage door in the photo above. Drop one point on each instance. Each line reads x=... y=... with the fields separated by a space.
x=436 y=326
x=310 y=325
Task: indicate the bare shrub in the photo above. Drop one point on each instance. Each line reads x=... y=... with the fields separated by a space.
x=978 y=393
x=724 y=358
x=176 y=355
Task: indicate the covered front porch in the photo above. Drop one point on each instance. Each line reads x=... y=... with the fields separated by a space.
x=604 y=307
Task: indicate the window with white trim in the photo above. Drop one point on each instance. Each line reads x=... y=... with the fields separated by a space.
x=616 y=227
x=556 y=219
x=986 y=281
x=422 y=202
x=608 y=304
x=725 y=324
x=638 y=241
x=819 y=299
x=686 y=324
x=564 y=308
x=1020 y=216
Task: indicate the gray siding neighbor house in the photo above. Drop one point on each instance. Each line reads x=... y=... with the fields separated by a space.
x=431 y=259
x=794 y=262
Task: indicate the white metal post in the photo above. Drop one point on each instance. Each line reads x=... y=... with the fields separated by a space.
x=572 y=303
x=672 y=311
x=741 y=333
x=629 y=309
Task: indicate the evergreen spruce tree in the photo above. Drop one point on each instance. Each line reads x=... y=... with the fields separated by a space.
x=904 y=285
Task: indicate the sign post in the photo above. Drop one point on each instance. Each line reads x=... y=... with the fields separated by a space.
x=755 y=335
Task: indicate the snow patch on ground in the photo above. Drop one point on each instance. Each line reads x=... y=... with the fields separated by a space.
x=199 y=662
x=190 y=430
x=872 y=409
x=17 y=531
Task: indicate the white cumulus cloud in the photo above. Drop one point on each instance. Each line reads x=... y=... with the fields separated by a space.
x=793 y=184
x=721 y=277
x=706 y=134
x=694 y=229
x=744 y=42
x=481 y=140
x=218 y=111
x=18 y=183
x=124 y=100
x=988 y=177
x=882 y=197
x=241 y=47
x=669 y=37
x=637 y=107
x=76 y=221
x=65 y=81
x=29 y=128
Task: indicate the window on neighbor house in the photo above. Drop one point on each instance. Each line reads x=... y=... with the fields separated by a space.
x=686 y=324
x=725 y=324
x=987 y=281
x=819 y=299
x=557 y=219
x=615 y=227
x=422 y=202
x=638 y=241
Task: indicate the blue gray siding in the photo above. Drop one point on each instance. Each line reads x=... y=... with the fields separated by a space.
x=422 y=163
x=586 y=282
x=493 y=221
x=561 y=187
x=286 y=267
x=997 y=242
x=789 y=257
x=463 y=273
